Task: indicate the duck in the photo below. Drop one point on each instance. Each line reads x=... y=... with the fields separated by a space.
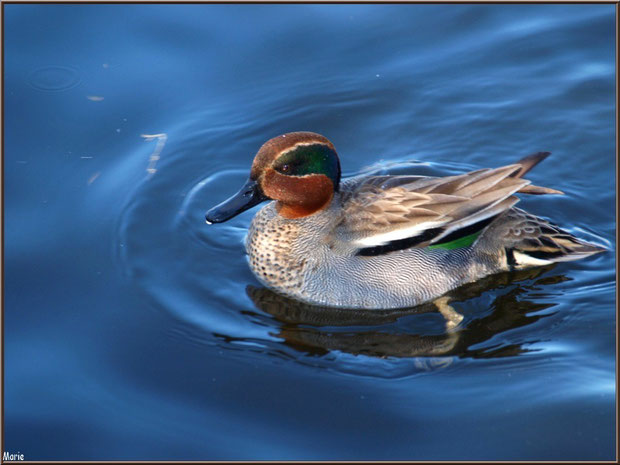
x=386 y=241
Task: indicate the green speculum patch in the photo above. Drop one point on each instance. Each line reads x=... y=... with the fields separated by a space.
x=310 y=159
x=465 y=241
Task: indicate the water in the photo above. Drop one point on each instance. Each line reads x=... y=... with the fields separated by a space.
x=135 y=331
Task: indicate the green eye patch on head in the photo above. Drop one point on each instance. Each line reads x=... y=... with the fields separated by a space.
x=310 y=159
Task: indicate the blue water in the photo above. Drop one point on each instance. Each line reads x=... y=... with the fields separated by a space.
x=135 y=331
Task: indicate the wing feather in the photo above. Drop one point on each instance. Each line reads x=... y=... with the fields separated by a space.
x=381 y=209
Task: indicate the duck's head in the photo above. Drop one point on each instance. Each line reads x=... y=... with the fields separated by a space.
x=300 y=170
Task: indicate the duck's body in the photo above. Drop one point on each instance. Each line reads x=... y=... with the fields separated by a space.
x=386 y=241
x=297 y=263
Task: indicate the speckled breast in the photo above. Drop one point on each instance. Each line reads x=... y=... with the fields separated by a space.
x=269 y=245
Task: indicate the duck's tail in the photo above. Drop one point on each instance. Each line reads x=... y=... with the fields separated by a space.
x=527 y=163
x=532 y=241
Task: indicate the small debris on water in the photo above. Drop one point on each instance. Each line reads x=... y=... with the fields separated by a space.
x=154 y=158
x=93 y=177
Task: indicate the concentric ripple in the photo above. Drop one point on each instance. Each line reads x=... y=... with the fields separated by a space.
x=54 y=78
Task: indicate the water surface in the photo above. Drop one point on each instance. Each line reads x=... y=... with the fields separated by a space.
x=135 y=331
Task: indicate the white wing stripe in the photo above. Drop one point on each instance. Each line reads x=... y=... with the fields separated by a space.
x=384 y=238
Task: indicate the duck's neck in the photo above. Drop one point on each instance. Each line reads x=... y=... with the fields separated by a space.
x=308 y=207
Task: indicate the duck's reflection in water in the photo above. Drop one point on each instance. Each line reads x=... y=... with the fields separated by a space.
x=318 y=330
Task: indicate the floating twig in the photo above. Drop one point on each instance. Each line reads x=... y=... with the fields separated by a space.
x=161 y=141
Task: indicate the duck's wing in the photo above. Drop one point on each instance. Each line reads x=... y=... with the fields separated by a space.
x=385 y=213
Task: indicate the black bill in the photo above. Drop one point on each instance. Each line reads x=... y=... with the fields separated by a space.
x=248 y=196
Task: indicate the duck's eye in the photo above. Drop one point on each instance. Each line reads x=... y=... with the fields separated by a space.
x=285 y=168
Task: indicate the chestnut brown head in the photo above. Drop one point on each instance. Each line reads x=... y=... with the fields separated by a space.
x=300 y=170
